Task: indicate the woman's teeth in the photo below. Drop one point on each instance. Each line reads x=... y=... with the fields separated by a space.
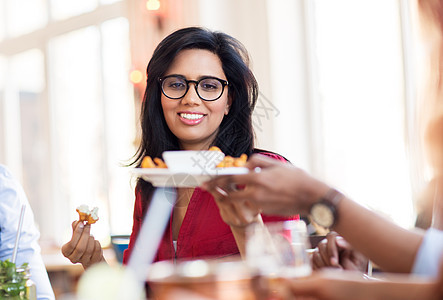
x=191 y=116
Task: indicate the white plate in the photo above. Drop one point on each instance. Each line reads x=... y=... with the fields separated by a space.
x=166 y=178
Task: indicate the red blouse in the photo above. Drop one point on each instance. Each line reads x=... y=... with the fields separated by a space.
x=203 y=232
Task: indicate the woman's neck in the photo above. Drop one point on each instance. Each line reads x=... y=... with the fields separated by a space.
x=195 y=146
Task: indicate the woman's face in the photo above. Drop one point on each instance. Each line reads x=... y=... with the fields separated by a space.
x=192 y=120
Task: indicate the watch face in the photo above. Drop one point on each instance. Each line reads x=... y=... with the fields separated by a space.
x=322 y=214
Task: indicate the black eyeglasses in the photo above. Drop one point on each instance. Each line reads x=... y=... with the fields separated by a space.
x=207 y=88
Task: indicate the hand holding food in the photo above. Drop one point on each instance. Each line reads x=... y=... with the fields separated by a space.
x=83 y=248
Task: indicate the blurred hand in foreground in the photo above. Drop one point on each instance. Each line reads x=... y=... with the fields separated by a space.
x=277 y=188
x=336 y=252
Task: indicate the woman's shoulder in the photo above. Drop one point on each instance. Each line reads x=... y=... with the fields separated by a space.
x=270 y=154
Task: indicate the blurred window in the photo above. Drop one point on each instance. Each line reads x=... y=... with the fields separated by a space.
x=62 y=9
x=67 y=114
x=24 y=16
x=361 y=103
x=28 y=127
x=2 y=20
x=348 y=104
x=109 y=1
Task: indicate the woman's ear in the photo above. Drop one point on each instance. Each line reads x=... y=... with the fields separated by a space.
x=228 y=106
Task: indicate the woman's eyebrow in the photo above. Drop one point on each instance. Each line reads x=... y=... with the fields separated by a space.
x=198 y=78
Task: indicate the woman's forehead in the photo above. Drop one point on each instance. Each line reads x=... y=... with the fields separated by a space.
x=193 y=63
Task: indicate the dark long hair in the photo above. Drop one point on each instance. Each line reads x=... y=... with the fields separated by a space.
x=235 y=134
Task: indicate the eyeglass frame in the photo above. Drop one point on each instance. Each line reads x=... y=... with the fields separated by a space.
x=223 y=82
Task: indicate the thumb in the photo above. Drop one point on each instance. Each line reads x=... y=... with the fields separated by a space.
x=343 y=244
x=74 y=224
x=260 y=161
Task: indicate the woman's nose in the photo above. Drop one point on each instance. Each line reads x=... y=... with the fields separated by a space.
x=191 y=97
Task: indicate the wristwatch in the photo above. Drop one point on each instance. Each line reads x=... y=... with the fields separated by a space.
x=324 y=211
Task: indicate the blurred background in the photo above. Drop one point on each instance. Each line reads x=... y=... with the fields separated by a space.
x=338 y=84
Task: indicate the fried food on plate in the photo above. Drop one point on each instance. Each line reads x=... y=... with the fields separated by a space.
x=229 y=161
x=147 y=162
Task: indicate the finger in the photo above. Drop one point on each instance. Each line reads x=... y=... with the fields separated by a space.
x=97 y=256
x=69 y=247
x=256 y=162
x=86 y=257
x=241 y=215
x=222 y=187
x=323 y=252
x=81 y=245
x=221 y=192
x=220 y=181
x=343 y=244
x=260 y=161
x=347 y=262
x=317 y=260
x=332 y=249
x=74 y=224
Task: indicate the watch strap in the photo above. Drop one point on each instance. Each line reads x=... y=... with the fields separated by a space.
x=333 y=197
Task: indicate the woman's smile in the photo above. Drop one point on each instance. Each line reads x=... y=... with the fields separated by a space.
x=191 y=118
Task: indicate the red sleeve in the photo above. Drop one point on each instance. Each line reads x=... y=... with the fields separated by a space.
x=267 y=218
x=137 y=222
x=273 y=155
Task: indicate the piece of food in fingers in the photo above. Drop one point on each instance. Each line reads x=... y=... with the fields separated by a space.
x=93 y=215
x=83 y=211
x=85 y=214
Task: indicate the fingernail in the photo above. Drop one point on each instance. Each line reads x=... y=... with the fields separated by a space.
x=81 y=225
x=334 y=261
x=221 y=191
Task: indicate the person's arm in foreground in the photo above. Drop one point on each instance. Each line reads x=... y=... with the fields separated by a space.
x=338 y=285
x=282 y=189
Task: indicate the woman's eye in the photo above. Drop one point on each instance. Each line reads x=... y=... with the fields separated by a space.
x=176 y=85
x=209 y=85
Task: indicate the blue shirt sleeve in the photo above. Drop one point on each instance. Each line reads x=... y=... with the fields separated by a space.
x=429 y=255
x=12 y=197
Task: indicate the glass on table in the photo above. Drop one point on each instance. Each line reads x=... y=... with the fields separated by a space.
x=278 y=250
